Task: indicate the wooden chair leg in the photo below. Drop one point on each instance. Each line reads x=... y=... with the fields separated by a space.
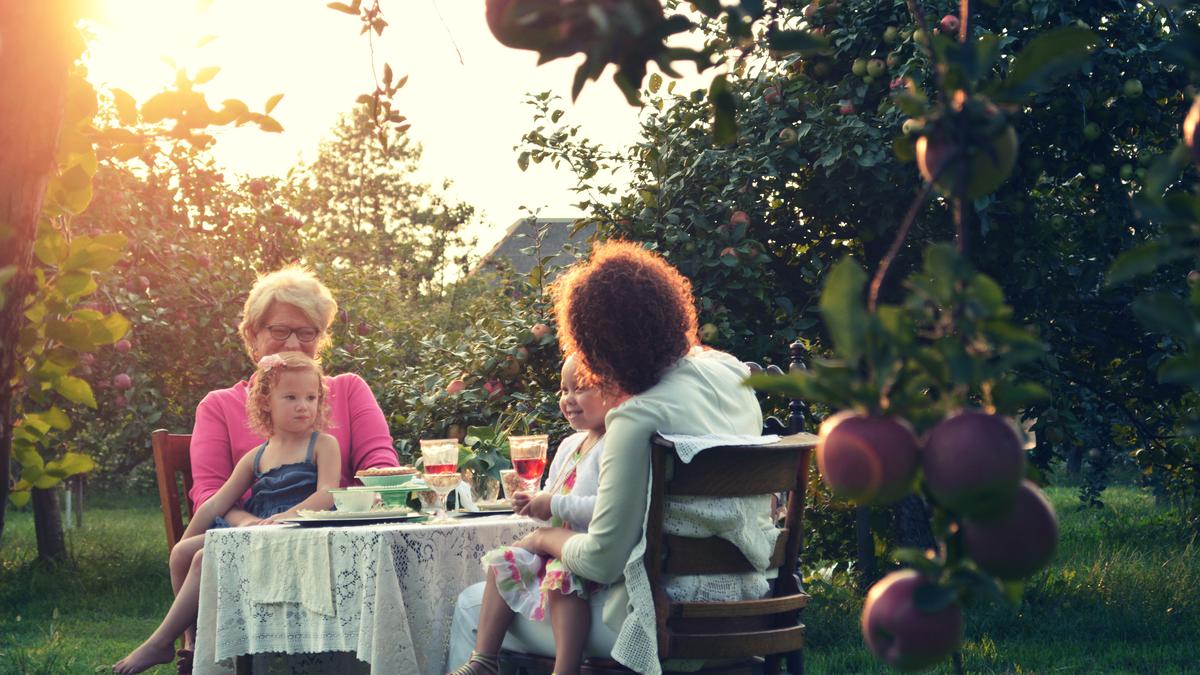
x=795 y=663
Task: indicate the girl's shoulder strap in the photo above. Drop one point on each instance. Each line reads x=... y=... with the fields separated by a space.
x=258 y=458
x=312 y=442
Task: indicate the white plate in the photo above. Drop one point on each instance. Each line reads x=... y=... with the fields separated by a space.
x=354 y=515
x=411 y=486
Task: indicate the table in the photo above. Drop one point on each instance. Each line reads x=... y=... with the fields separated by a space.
x=389 y=603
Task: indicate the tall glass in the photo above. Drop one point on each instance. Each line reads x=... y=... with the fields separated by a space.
x=439 y=455
x=528 y=455
x=442 y=484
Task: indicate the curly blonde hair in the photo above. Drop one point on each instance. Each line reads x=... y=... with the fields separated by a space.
x=258 y=397
x=627 y=314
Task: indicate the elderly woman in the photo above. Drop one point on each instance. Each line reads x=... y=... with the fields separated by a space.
x=287 y=310
x=631 y=319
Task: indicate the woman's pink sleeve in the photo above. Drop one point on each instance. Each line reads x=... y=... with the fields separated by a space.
x=212 y=459
x=371 y=441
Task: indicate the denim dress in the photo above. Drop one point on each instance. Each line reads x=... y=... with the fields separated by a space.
x=280 y=488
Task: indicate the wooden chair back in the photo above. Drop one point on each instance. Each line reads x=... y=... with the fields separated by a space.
x=173 y=466
x=769 y=626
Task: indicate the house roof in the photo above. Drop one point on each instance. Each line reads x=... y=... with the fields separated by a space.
x=557 y=240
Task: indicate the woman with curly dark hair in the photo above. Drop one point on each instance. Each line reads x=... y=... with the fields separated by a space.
x=630 y=319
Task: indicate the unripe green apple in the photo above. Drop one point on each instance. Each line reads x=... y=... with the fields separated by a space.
x=890 y=35
x=859 y=67
x=1133 y=88
x=1096 y=171
x=876 y=67
x=1126 y=171
x=1091 y=131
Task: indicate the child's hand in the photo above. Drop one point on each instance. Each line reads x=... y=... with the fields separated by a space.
x=539 y=507
x=520 y=501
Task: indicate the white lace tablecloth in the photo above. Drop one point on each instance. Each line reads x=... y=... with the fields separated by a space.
x=394 y=587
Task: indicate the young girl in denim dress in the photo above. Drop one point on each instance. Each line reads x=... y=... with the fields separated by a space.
x=292 y=470
x=519 y=581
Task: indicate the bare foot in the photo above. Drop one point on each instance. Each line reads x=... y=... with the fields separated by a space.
x=146 y=655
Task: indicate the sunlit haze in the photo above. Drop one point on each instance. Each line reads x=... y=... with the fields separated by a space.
x=468 y=115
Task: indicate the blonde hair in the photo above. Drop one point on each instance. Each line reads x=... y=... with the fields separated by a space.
x=294 y=285
x=258 y=413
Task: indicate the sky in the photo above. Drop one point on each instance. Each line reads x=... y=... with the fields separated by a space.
x=468 y=114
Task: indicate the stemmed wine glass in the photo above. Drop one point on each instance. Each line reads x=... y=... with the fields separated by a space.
x=442 y=484
x=440 y=459
x=528 y=455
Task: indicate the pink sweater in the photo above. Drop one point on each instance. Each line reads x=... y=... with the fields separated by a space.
x=222 y=436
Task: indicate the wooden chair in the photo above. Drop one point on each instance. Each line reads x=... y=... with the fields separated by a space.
x=172 y=464
x=735 y=635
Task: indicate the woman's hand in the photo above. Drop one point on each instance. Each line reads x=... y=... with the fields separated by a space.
x=520 y=501
x=530 y=542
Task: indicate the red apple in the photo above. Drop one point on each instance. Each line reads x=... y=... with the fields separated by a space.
x=729 y=251
x=363 y=328
x=455 y=386
x=739 y=218
x=204 y=261
x=539 y=331
x=122 y=346
x=494 y=388
x=900 y=633
x=122 y=381
x=256 y=186
x=120 y=401
x=973 y=463
x=847 y=109
x=989 y=166
x=1020 y=542
x=772 y=95
x=870 y=460
x=87 y=359
x=292 y=221
x=949 y=24
x=522 y=353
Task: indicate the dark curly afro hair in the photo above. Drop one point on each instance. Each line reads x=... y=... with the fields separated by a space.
x=626 y=313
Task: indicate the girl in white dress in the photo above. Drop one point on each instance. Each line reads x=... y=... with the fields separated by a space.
x=519 y=581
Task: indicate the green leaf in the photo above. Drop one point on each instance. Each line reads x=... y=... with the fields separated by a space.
x=1166 y=313
x=269 y=124
x=75 y=284
x=933 y=597
x=523 y=161
x=50 y=247
x=1047 y=56
x=1143 y=259
x=114 y=326
x=19 y=498
x=206 y=74
x=1181 y=369
x=272 y=102
x=800 y=41
x=1011 y=397
x=655 y=82
x=915 y=558
x=72 y=463
x=127 y=112
x=73 y=334
x=343 y=8
x=724 y=109
x=843 y=308
x=75 y=390
x=57 y=418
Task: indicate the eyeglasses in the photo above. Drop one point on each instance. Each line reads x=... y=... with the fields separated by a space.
x=280 y=332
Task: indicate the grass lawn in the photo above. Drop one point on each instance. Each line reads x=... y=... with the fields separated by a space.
x=1121 y=597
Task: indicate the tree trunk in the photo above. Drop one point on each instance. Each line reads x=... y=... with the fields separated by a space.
x=37 y=39
x=911 y=524
x=865 y=543
x=47 y=523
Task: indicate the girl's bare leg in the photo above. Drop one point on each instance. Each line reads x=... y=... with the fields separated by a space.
x=571 y=620
x=494 y=617
x=180 y=563
x=160 y=646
